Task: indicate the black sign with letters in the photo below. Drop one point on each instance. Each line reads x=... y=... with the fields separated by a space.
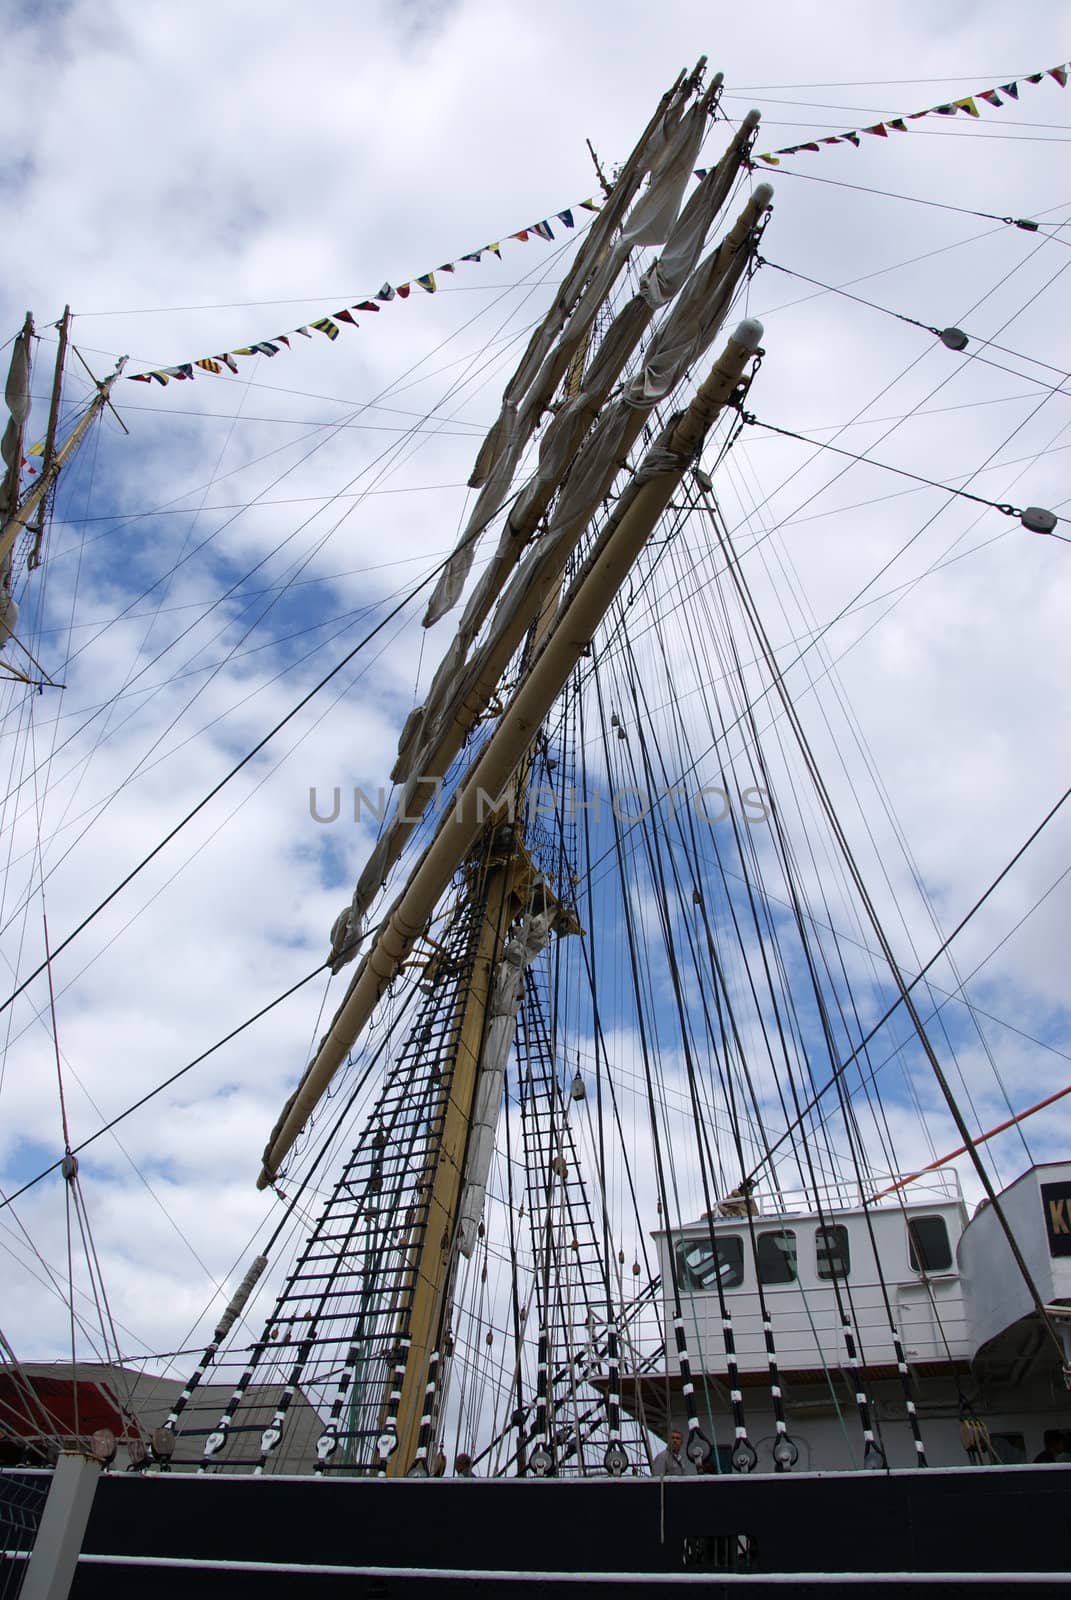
x=1056 y=1204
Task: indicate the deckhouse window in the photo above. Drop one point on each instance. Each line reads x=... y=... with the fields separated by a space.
x=831 y=1252
x=699 y=1267
x=928 y=1246
x=777 y=1256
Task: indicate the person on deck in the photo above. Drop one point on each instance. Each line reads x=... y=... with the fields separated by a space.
x=463 y=1465
x=1056 y=1443
x=670 y=1463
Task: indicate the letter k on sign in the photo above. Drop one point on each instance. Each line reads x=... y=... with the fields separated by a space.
x=1056 y=1209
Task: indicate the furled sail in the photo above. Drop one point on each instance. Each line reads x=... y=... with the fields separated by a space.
x=582 y=609
x=667 y=153
x=16 y=514
x=523 y=948
x=464 y=682
x=17 y=400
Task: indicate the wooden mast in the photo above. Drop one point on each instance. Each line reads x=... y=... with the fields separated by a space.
x=34 y=498
x=574 y=624
x=562 y=634
x=473 y=835
x=64 y=325
x=509 y=878
x=434 y=1251
x=27 y=514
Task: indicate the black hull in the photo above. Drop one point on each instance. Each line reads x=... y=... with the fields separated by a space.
x=987 y=1530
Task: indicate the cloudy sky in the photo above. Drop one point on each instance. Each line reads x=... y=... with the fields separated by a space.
x=196 y=178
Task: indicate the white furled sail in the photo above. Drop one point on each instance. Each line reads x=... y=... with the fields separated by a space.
x=523 y=948
x=668 y=155
x=583 y=607
x=462 y=687
x=17 y=400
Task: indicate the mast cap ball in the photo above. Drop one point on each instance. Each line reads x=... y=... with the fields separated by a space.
x=748 y=333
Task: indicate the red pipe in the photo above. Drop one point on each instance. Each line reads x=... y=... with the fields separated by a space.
x=981 y=1139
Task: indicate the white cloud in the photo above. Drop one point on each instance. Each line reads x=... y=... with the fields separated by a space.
x=223 y=157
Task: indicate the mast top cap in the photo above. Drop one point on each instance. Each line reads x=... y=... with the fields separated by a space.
x=748 y=333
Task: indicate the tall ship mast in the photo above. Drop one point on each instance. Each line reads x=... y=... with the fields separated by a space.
x=494 y=891
x=594 y=1171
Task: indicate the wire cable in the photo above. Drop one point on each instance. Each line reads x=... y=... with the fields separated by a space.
x=238 y=767
x=166 y=1084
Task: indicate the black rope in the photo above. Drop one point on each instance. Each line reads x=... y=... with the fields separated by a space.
x=698 y=1447
x=167 y=1082
x=743 y=1455
x=917 y=979
x=791 y=878
x=875 y=922
x=962 y=337
x=238 y=767
x=1025 y=223
x=931 y=483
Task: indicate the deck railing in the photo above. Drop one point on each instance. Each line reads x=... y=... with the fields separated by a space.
x=834 y=1194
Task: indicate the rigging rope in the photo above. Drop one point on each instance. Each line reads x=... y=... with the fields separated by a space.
x=938 y=953
x=232 y=773
x=901 y=984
